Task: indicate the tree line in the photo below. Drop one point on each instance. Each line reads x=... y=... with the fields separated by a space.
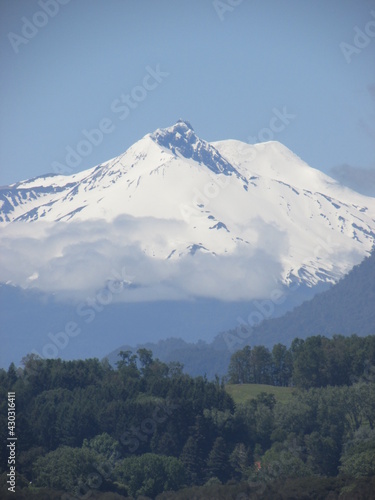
x=315 y=362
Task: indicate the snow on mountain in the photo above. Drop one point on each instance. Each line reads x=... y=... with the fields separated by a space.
x=187 y=218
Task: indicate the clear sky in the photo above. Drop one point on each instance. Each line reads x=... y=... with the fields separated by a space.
x=229 y=67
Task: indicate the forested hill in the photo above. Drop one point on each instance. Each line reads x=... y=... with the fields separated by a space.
x=346 y=308
x=143 y=429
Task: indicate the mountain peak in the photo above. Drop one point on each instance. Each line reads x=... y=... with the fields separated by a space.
x=251 y=216
x=178 y=135
x=185 y=122
x=181 y=140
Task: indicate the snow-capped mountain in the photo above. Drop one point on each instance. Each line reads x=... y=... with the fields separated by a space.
x=187 y=218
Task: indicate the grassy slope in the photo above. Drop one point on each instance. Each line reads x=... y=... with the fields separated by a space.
x=244 y=392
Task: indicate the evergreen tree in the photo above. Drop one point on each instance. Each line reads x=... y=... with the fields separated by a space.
x=218 y=462
x=240 y=460
x=192 y=461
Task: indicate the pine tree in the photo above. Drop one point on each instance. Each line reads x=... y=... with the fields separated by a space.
x=240 y=460
x=190 y=457
x=218 y=463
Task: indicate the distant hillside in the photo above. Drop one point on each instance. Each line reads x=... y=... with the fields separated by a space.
x=346 y=308
x=198 y=358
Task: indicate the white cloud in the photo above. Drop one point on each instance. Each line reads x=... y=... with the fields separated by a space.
x=77 y=258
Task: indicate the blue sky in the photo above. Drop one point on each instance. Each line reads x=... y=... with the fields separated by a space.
x=226 y=67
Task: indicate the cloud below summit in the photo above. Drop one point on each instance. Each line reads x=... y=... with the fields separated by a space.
x=73 y=260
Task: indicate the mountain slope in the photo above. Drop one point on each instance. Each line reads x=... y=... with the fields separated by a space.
x=225 y=220
x=346 y=308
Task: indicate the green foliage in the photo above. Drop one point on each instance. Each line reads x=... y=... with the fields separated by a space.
x=309 y=367
x=218 y=461
x=68 y=469
x=361 y=463
x=314 y=362
x=240 y=461
x=251 y=366
x=151 y=474
x=239 y=370
x=103 y=445
x=282 y=365
x=358 y=459
x=191 y=458
x=282 y=461
x=323 y=453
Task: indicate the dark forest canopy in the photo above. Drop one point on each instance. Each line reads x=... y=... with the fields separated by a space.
x=145 y=427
